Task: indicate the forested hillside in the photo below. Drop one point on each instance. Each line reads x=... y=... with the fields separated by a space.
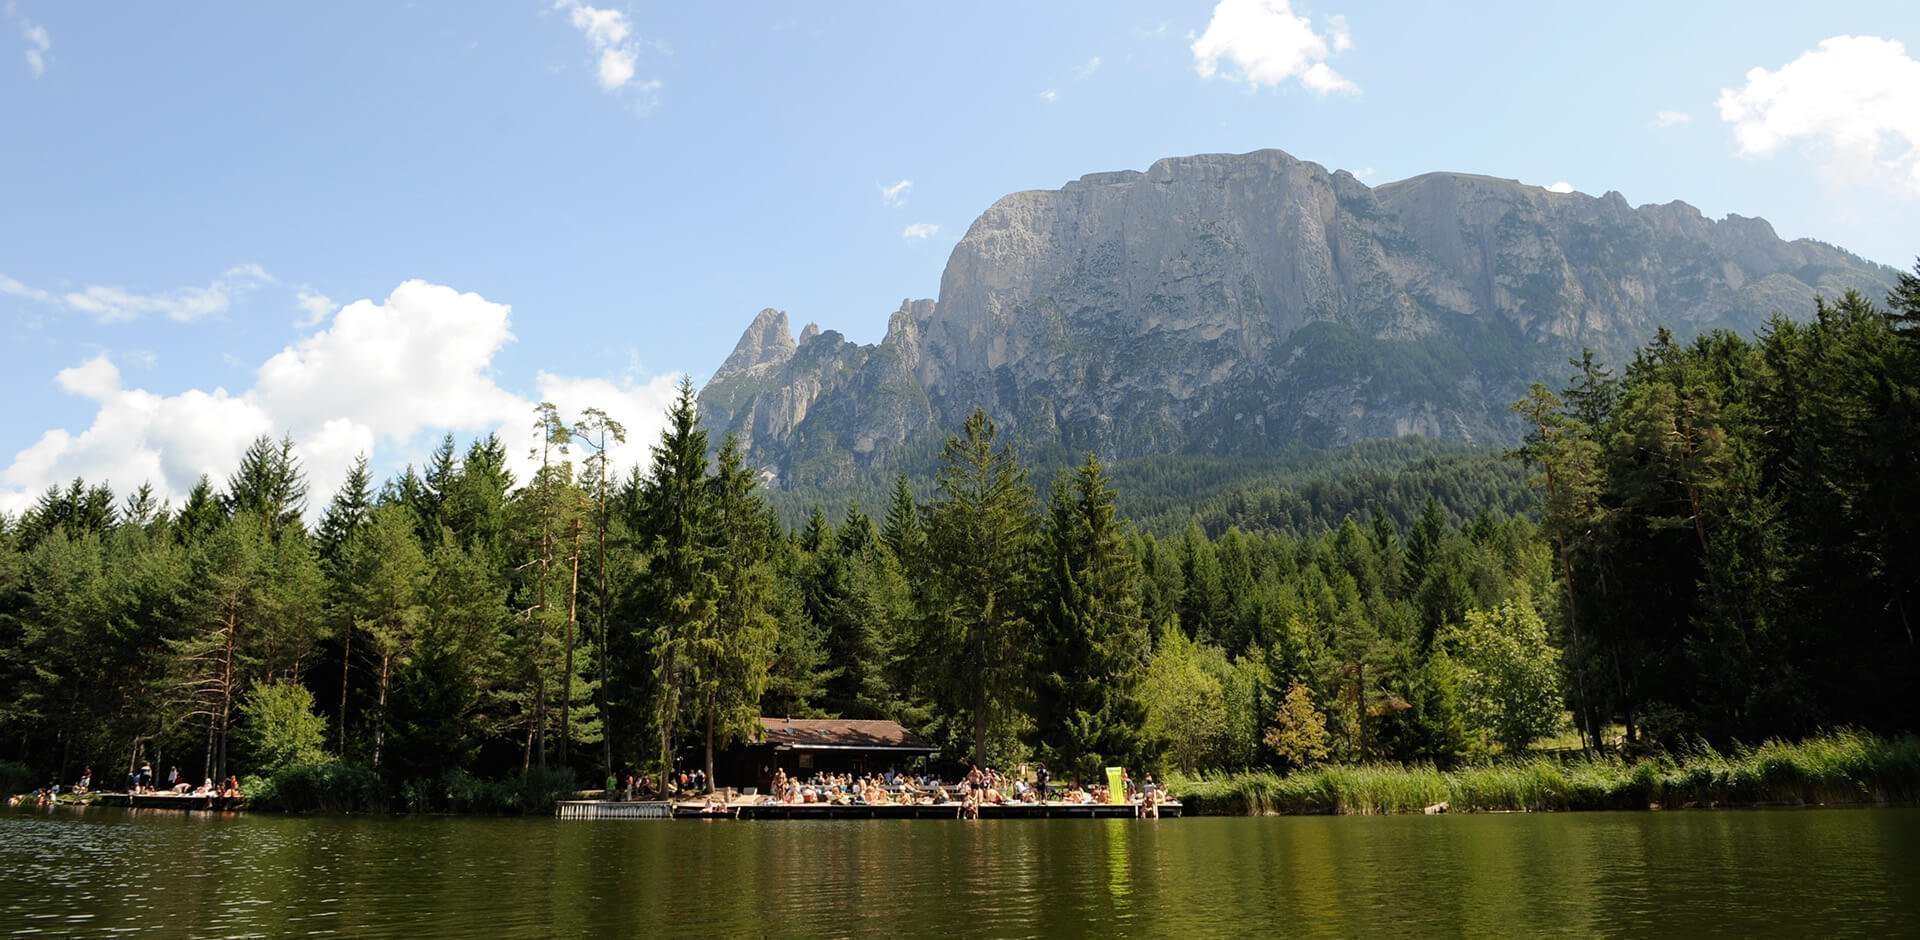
x=1728 y=549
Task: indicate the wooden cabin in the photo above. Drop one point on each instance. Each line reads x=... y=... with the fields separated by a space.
x=805 y=746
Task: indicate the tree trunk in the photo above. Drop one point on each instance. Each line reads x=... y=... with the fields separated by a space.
x=540 y=716
x=566 y=674
x=224 y=718
x=346 y=669
x=380 y=721
x=600 y=610
x=709 y=749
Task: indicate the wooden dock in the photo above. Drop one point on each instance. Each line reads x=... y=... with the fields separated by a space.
x=926 y=811
x=178 y=801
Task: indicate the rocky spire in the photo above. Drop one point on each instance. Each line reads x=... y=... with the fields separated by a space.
x=768 y=339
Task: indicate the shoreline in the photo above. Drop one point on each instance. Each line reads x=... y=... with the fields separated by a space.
x=1841 y=769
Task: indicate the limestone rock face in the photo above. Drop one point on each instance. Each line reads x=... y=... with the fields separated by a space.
x=1237 y=303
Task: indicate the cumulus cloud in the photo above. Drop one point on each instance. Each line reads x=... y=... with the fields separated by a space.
x=1671 y=118
x=1050 y=96
x=38 y=42
x=895 y=196
x=1853 y=102
x=1264 y=43
x=380 y=378
x=920 y=231
x=1086 y=69
x=118 y=305
x=609 y=33
x=1560 y=187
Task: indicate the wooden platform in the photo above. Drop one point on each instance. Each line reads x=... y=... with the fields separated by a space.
x=934 y=811
x=169 y=801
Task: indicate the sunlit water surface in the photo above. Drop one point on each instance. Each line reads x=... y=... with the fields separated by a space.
x=1688 y=873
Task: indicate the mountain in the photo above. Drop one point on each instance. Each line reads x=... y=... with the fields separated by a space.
x=1236 y=304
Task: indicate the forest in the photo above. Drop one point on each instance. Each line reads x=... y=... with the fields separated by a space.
x=1722 y=545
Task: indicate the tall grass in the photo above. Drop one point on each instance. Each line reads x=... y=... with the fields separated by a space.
x=1843 y=767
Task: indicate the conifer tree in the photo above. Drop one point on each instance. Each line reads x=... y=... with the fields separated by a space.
x=979 y=575
x=1094 y=639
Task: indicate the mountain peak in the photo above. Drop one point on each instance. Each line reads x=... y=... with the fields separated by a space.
x=1239 y=303
x=767 y=340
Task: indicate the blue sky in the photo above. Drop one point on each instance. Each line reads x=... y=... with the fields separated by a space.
x=523 y=200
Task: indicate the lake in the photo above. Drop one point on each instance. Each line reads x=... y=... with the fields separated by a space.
x=1683 y=873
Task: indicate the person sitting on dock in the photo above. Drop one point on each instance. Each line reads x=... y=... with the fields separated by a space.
x=86 y=780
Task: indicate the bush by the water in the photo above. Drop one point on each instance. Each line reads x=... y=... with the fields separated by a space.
x=328 y=787
x=1840 y=768
x=16 y=778
x=334 y=787
x=531 y=793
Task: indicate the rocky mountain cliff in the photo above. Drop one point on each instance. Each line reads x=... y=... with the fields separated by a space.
x=1236 y=303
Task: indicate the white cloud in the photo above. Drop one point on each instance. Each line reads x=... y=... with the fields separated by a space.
x=609 y=33
x=920 y=230
x=1086 y=69
x=895 y=196
x=1854 y=102
x=38 y=42
x=15 y=288
x=1671 y=118
x=1263 y=43
x=387 y=375
x=186 y=304
x=1560 y=187
x=1050 y=96
x=1365 y=172
x=1342 y=37
x=318 y=307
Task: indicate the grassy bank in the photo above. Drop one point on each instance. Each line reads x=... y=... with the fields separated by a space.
x=1839 y=768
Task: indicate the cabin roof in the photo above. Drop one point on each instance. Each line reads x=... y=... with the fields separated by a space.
x=807 y=734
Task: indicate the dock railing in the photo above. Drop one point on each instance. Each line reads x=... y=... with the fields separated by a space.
x=602 y=809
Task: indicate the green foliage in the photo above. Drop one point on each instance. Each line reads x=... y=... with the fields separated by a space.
x=1508 y=674
x=16 y=778
x=331 y=787
x=1185 y=704
x=1299 y=734
x=279 y=728
x=1838 y=769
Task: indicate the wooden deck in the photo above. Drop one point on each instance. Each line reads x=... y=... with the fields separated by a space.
x=170 y=801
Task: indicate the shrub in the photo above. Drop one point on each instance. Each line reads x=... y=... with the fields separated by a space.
x=16 y=778
x=279 y=728
x=330 y=787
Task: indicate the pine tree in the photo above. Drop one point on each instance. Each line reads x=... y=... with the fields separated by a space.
x=677 y=512
x=1094 y=639
x=979 y=574
x=386 y=574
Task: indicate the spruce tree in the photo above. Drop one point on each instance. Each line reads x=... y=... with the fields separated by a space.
x=979 y=573
x=1093 y=637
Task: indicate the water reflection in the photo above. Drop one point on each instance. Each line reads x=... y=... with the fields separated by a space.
x=1680 y=873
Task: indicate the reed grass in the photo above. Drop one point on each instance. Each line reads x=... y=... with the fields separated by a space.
x=1843 y=767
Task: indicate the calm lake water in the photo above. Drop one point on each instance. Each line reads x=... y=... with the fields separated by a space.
x=1689 y=873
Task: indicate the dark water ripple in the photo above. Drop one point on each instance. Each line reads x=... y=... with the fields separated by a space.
x=119 y=873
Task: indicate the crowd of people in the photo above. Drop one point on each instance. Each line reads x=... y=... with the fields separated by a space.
x=140 y=782
x=979 y=787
